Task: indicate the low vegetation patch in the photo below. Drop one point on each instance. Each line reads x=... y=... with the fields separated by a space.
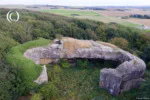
x=81 y=82
x=78 y=81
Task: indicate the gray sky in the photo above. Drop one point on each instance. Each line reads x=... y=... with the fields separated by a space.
x=80 y=2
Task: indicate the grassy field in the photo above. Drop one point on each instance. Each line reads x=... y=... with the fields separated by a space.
x=87 y=14
x=69 y=12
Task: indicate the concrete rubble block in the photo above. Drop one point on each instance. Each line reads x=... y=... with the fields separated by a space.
x=127 y=85
x=43 y=78
x=110 y=79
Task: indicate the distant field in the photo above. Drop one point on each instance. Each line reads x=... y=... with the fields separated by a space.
x=89 y=14
x=114 y=13
x=145 y=22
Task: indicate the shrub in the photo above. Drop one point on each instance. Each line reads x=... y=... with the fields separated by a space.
x=52 y=71
x=82 y=63
x=57 y=68
x=148 y=65
x=59 y=36
x=51 y=75
x=120 y=42
x=64 y=63
x=36 y=96
x=49 y=91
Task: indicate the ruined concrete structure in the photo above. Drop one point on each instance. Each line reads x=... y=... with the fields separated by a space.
x=124 y=77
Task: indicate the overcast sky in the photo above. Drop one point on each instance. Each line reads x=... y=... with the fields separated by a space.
x=80 y=2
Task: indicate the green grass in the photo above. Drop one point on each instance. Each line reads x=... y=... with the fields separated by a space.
x=29 y=70
x=83 y=84
x=76 y=83
x=85 y=14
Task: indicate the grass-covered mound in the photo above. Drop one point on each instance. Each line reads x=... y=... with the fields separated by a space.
x=28 y=69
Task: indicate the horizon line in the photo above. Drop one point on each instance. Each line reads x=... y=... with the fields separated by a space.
x=76 y=5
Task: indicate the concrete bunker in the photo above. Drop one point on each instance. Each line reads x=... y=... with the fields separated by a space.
x=116 y=80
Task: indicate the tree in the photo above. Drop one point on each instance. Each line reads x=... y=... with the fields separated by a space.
x=146 y=55
x=101 y=32
x=22 y=33
x=58 y=36
x=91 y=33
x=120 y=42
x=5 y=44
x=6 y=78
